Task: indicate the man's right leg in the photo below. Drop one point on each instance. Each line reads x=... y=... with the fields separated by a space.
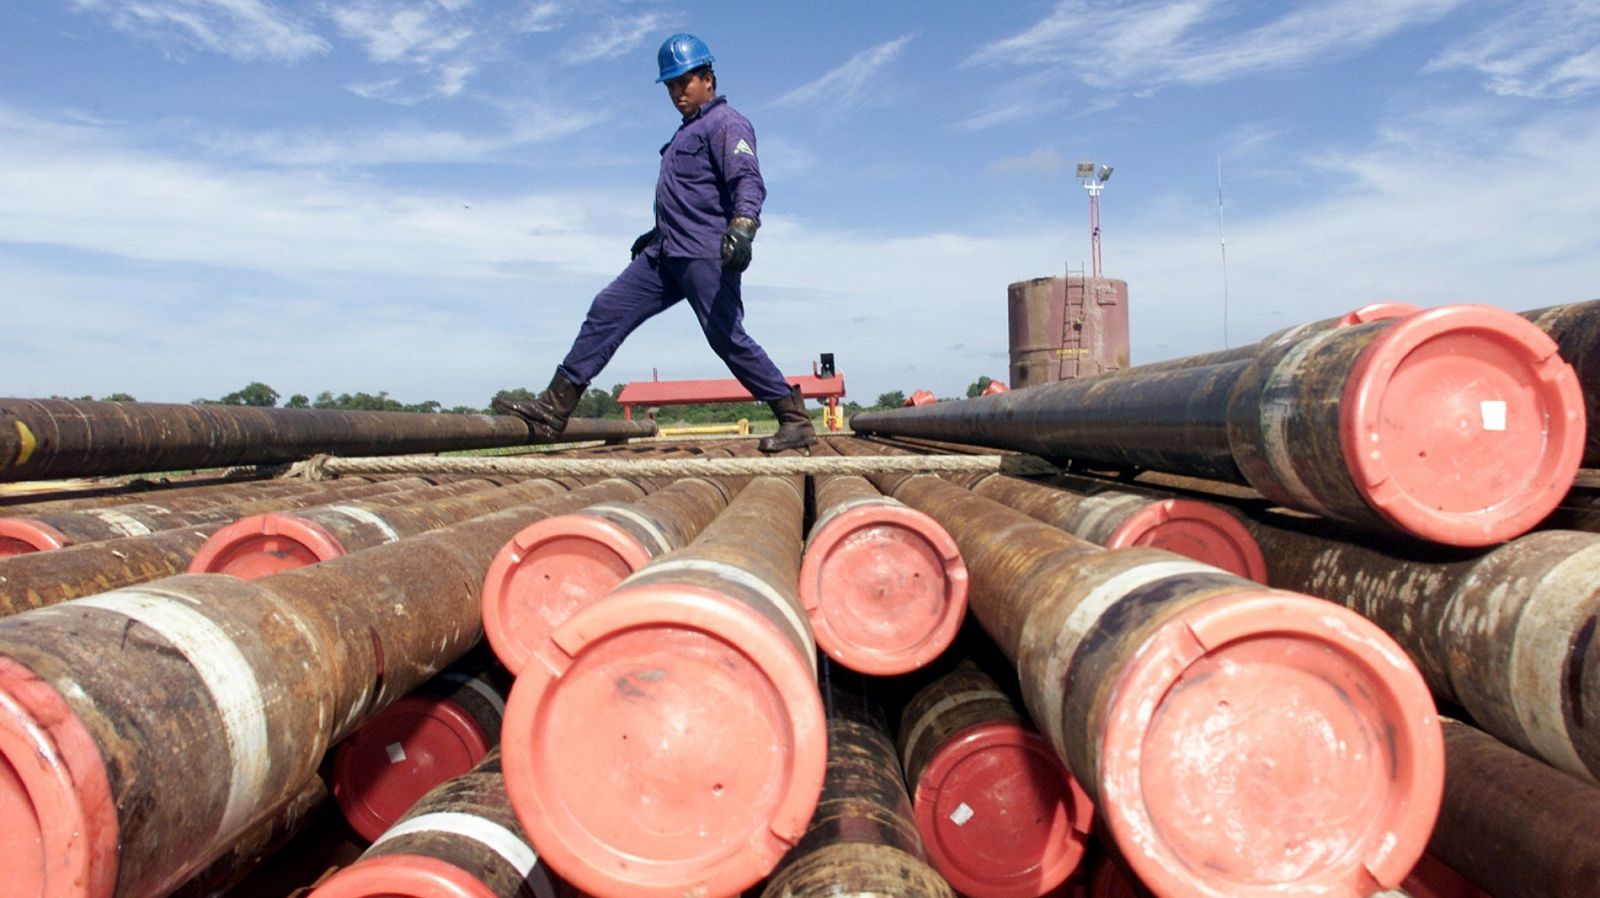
x=637 y=294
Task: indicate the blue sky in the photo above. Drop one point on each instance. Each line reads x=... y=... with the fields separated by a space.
x=422 y=196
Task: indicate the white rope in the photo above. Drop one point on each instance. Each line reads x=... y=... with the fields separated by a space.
x=322 y=466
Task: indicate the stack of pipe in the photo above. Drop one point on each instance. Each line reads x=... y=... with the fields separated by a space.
x=672 y=740
x=144 y=730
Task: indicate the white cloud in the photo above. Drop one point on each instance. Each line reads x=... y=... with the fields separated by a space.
x=1543 y=50
x=1041 y=161
x=846 y=85
x=1151 y=44
x=541 y=17
x=401 y=31
x=245 y=30
x=616 y=37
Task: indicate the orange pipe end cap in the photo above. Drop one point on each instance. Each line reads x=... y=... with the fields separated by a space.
x=265 y=544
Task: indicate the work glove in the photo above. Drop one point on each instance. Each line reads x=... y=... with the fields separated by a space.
x=736 y=244
x=645 y=239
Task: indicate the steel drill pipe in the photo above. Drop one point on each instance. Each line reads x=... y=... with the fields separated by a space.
x=1576 y=329
x=1461 y=424
x=551 y=569
x=38 y=579
x=999 y=814
x=149 y=726
x=1512 y=825
x=1378 y=311
x=677 y=745
x=215 y=492
x=1507 y=635
x=261 y=545
x=882 y=584
x=863 y=838
x=1238 y=740
x=41 y=439
x=258 y=843
x=461 y=840
x=435 y=734
x=57 y=530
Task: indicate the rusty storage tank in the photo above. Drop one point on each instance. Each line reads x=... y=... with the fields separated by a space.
x=1066 y=327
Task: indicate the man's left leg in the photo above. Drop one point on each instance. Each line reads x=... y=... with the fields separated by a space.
x=716 y=298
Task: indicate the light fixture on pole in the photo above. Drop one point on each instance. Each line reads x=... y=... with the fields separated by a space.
x=1094 y=183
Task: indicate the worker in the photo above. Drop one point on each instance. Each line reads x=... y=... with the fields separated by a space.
x=707 y=211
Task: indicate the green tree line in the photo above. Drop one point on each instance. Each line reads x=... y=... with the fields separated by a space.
x=594 y=404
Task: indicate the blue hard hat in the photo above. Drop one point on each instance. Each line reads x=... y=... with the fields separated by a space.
x=682 y=53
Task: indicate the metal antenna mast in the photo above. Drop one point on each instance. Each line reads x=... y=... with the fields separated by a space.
x=1094 y=183
x=1222 y=233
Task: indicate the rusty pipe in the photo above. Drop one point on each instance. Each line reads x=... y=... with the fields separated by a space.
x=549 y=570
x=437 y=733
x=1508 y=634
x=999 y=814
x=461 y=839
x=42 y=439
x=691 y=692
x=48 y=531
x=1194 y=707
x=1460 y=424
x=1512 y=825
x=265 y=544
x=151 y=725
x=863 y=838
x=1576 y=329
x=1378 y=311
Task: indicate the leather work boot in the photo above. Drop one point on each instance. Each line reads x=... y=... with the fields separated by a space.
x=546 y=413
x=794 y=425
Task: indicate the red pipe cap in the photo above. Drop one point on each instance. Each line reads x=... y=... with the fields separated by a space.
x=1462 y=425
x=58 y=822
x=265 y=544
x=19 y=536
x=1194 y=529
x=394 y=759
x=406 y=876
x=1378 y=311
x=1267 y=743
x=677 y=747
x=1433 y=878
x=545 y=574
x=1000 y=816
x=885 y=588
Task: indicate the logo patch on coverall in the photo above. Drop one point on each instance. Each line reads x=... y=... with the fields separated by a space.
x=742 y=147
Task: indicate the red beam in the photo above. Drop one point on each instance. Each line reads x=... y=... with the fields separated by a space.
x=683 y=392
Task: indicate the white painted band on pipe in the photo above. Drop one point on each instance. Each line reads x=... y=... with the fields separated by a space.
x=622 y=510
x=513 y=848
x=121 y=523
x=1275 y=414
x=215 y=657
x=936 y=710
x=477 y=685
x=1540 y=643
x=742 y=577
x=1085 y=615
x=363 y=516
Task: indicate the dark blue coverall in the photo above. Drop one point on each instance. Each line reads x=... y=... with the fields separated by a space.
x=709 y=175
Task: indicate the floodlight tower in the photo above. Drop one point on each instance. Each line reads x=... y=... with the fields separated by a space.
x=1094 y=182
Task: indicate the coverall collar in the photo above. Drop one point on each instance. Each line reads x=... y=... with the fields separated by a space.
x=704 y=109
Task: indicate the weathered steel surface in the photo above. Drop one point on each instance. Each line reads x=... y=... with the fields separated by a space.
x=1512 y=825
x=355 y=526
x=1062 y=328
x=215 y=492
x=1382 y=311
x=89 y=525
x=1508 y=634
x=48 y=438
x=465 y=824
x=1576 y=329
x=257 y=844
x=187 y=709
x=863 y=839
x=38 y=579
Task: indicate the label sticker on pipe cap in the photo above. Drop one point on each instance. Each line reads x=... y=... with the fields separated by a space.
x=962 y=814
x=1494 y=414
x=397 y=752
